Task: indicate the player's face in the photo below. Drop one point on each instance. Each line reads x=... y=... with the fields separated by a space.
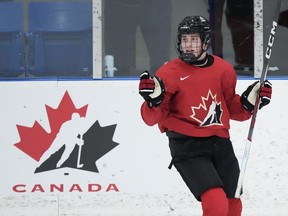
x=191 y=43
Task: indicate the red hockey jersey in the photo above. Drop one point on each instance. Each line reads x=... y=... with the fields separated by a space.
x=199 y=101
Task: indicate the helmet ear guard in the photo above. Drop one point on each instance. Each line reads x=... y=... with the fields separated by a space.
x=207 y=40
x=189 y=25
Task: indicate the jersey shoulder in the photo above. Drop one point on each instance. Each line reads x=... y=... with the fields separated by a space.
x=170 y=68
x=222 y=63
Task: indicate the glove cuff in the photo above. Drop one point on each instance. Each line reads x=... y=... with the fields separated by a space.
x=157 y=96
x=246 y=104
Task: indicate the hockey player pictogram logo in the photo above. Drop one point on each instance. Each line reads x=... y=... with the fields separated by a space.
x=208 y=112
x=73 y=140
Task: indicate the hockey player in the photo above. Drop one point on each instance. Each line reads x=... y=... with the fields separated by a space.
x=192 y=99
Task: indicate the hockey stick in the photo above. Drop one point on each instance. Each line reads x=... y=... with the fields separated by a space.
x=256 y=108
x=79 y=165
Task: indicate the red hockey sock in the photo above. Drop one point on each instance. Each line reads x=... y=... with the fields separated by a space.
x=235 y=207
x=214 y=202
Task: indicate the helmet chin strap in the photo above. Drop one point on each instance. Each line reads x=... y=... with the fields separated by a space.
x=190 y=58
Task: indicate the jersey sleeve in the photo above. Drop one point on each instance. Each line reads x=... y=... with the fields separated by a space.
x=236 y=110
x=156 y=115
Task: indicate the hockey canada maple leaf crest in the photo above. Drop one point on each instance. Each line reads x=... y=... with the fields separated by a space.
x=69 y=143
x=208 y=112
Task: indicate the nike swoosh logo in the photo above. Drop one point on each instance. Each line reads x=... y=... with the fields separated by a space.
x=183 y=78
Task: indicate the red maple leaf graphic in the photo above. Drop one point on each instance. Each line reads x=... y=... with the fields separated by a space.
x=35 y=140
x=199 y=113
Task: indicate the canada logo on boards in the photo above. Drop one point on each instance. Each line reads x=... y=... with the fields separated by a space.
x=73 y=140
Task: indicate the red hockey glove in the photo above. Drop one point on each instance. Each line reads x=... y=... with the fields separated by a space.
x=152 y=89
x=249 y=96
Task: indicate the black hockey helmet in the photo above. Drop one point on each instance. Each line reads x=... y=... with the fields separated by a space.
x=190 y=25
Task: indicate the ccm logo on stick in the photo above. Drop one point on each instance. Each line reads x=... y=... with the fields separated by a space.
x=271 y=40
